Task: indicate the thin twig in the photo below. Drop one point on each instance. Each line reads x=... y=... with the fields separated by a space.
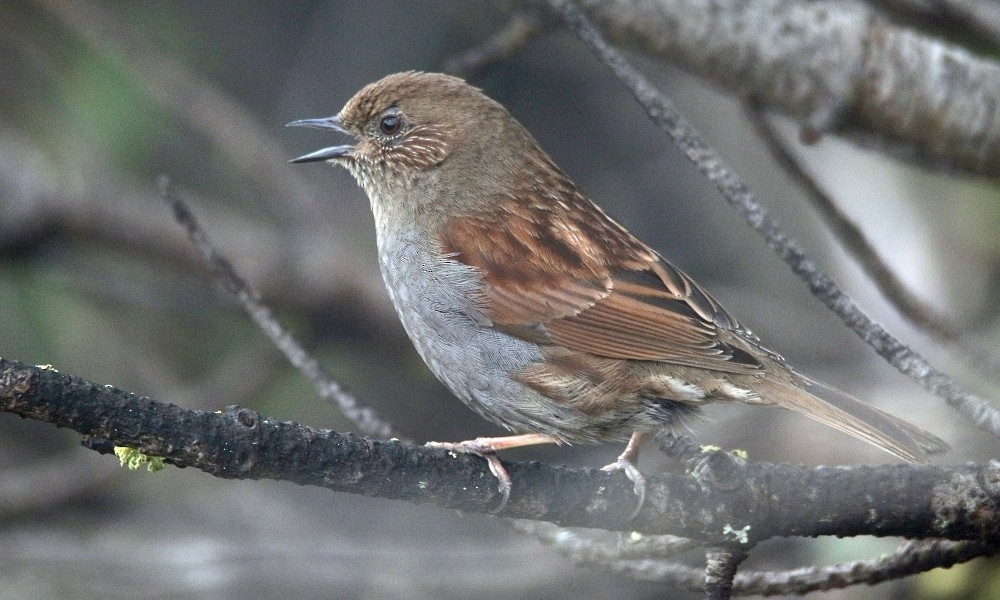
x=363 y=417
x=850 y=235
x=227 y=123
x=667 y=117
x=909 y=558
x=586 y=550
x=853 y=239
x=643 y=557
x=521 y=29
x=840 y=66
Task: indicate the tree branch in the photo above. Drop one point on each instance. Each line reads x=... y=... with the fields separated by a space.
x=853 y=239
x=521 y=29
x=720 y=569
x=666 y=116
x=838 y=67
x=723 y=501
x=850 y=235
x=326 y=386
x=910 y=558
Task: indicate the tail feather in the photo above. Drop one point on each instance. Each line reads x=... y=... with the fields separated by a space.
x=845 y=413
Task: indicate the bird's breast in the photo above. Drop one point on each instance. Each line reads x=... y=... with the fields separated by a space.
x=435 y=297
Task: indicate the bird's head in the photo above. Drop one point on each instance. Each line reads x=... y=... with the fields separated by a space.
x=415 y=131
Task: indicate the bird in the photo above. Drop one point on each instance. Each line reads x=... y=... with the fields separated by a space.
x=538 y=310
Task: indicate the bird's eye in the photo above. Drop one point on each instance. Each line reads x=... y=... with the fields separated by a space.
x=391 y=124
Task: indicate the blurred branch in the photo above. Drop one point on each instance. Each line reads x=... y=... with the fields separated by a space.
x=955 y=17
x=909 y=559
x=737 y=501
x=51 y=481
x=364 y=417
x=850 y=235
x=521 y=29
x=230 y=127
x=305 y=266
x=308 y=265
x=589 y=551
x=666 y=116
x=984 y=17
x=838 y=67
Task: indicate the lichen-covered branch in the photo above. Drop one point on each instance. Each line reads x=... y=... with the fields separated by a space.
x=724 y=500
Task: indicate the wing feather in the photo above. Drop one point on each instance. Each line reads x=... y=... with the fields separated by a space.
x=591 y=287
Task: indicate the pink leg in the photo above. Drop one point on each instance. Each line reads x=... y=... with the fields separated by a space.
x=627 y=462
x=487 y=447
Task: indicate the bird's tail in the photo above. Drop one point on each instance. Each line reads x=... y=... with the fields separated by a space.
x=846 y=413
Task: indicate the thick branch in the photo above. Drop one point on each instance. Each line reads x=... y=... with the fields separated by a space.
x=723 y=501
x=838 y=67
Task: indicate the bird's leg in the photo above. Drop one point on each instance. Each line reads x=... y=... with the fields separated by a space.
x=627 y=462
x=487 y=447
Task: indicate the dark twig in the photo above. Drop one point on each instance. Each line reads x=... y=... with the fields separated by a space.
x=908 y=559
x=842 y=67
x=521 y=29
x=666 y=116
x=720 y=569
x=850 y=234
x=854 y=240
x=643 y=557
x=363 y=417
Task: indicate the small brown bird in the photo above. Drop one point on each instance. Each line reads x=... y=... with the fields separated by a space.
x=532 y=305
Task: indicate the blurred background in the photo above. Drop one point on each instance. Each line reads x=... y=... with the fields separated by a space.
x=96 y=279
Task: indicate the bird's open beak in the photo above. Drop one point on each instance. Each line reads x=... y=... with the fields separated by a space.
x=330 y=153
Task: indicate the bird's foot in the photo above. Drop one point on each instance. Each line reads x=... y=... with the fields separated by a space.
x=635 y=476
x=626 y=462
x=482 y=448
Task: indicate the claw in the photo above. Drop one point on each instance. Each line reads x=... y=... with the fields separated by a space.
x=503 y=478
x=626 y=462
x=635 y=476
x=477 y=448
x=487 y=448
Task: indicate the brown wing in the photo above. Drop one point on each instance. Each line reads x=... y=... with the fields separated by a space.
x=617 y=299
x=642 y=318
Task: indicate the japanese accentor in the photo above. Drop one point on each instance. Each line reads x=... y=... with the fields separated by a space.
x=532 y=305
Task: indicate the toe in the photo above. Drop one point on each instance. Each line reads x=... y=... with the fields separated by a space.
x=635 y=476
x=505 y=482
x=478 y=448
